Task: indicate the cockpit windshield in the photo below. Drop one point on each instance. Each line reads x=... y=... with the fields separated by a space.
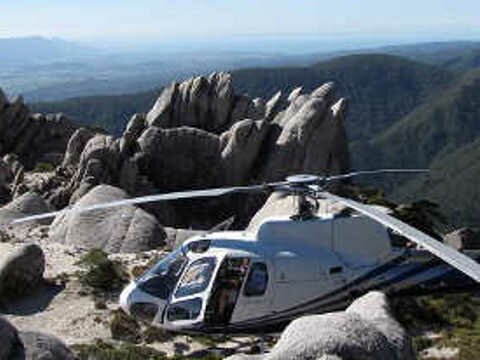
x=171 y=265
x=160 y=280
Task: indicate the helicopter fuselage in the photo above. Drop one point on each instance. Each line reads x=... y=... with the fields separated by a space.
x=242 y=281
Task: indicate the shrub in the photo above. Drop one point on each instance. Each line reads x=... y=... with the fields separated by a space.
x=42 y=167
x=103 y=351
x=102 y=274
x=124 y=327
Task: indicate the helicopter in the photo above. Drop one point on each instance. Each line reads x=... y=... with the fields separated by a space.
x=303 y=263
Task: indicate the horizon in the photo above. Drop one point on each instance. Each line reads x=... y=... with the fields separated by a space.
x=193 y=22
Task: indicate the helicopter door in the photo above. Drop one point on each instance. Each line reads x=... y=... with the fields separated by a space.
x=225 y=291
x=256 y=297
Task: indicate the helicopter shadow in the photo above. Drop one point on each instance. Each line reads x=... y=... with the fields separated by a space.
x=36 y=301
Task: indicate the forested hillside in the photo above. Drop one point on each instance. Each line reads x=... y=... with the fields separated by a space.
x=110 y=112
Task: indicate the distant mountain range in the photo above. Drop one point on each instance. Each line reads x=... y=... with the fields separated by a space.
x=403 y=113
x=37 y=49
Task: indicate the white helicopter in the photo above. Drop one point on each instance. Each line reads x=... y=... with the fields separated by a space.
x=237 y=281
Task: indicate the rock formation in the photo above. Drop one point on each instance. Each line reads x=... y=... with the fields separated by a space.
x=33 y=137
x=201 y=134
x=120 y=229
x=25 y=345
x=365 y=330
x=21 y=272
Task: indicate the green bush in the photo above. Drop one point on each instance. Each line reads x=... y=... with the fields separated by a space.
x=103 y=351
x=42 y=167
x=101 y=273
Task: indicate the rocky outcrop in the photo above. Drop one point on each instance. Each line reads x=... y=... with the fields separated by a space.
x=365 y=330
x=21 y=272
x=19 y=345
x=33 y=137
x=120 y=229
x=207 y=103
x=201 y=134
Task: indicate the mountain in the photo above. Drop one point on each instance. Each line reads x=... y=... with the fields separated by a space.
x=37 y=49
x=110 y=112
x=376 y=100
x=448 y=120
x=442 y=134
x=380 y=88
x=453 y=55
x=453 y=183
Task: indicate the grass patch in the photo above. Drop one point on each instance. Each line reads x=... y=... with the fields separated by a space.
x=42 y=167
x=124 y=327
x=104 y=351
x=101 y=350
x=456 y=317
x=102 y=274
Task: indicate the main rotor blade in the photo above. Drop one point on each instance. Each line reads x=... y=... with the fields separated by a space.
x=372 y=172
x=458 y=260
x=153 y=198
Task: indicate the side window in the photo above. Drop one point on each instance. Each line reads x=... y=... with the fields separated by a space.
x=196 y=277
x=257 y=280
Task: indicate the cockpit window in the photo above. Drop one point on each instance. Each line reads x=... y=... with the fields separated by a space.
x=197 y=277
x=161 y=279
x=170 y=265
x=257 y=280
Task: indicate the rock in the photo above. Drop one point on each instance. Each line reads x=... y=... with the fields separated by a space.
x=200 y=134
x=15 y=345
x=75 y=146
x=9 y=340
x=374 y=307
x=243 y=144
x=310 y=138
x=198 y=152
x=120 y=229
x=99 y=159
x=273 y=106
x=366 y=330
x=24 y=205
x=176 y=237
x=40 y=346
x=6 y=174
x=203 y=103
x=3 y=99
x=342 y=334
x=463 y=239
x=163 y=108
x=33 y=137
x=294 y=94
x=21 y=271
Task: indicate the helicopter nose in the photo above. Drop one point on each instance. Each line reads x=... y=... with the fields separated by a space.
x=141 y=305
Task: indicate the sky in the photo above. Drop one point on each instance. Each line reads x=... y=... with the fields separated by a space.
x=173 y=20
